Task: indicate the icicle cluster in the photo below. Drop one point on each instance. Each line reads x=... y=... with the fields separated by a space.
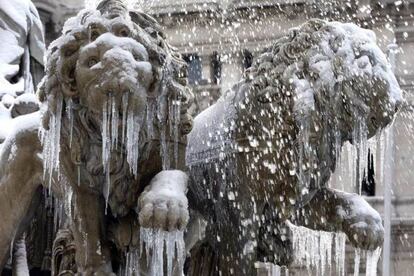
x=372 y=258
x=155 y=241
x=313 y=249
x=340 y=241
x=317 y=250
x=132 y=264
x=51 y=142
x=130 y=133
x=372 y=261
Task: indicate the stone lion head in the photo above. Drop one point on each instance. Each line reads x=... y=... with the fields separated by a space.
x=113 y=83
x=320 y=85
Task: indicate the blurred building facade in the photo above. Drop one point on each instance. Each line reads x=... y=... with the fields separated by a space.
x=219 y=38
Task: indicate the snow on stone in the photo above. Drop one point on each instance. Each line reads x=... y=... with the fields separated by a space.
x=20 y=31
x=354 y=38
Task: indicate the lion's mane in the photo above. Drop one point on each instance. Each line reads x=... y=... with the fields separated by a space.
x=325 y=83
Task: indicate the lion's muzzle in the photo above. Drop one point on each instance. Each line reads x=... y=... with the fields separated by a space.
x=113 y=66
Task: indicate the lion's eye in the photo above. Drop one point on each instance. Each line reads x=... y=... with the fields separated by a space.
x=124 y=32
x=136 y=57
x=94 y=35
x=92 y=61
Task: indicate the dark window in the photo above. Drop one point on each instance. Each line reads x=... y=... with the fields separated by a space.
x=216 y=68
x=194 y=68
x=368 y=181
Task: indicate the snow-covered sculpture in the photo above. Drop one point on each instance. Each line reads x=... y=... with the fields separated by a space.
x=266 y=150
x=21 y=68
x=21 y=60
x=109 y=140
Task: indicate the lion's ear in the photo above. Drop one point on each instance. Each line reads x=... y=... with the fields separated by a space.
x=67 y=70
x=69 y=54
x=68 y=83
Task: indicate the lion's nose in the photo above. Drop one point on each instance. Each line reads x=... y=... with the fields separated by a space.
x=118 y=57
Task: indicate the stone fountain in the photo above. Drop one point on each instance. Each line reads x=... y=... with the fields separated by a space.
x=109 y=145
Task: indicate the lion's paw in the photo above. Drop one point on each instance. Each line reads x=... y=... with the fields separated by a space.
x=164 y=205
x=364 y=227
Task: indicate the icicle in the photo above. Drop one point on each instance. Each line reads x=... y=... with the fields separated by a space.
x=351 y=155
x=382 y=146
x=176 y=123
x=132 y=263
x=368 y=263
x=67 y=204
x=69 y=112
x=164 y=151
x=157 y=261
x=312 y=249
x=179 y=241
x=170 y=247
x=357 y=261
x=154 y=241
x=150 y=119
x=359 y=138
x=372 y=261
x=106 y=148
x=114 y=124
x=132 y=140
x=51 y=142
x=340 y=239
x=124 y=115
x=304 y=161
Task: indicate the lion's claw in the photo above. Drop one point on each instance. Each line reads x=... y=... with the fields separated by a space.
x=163 y=207
x=363 y=226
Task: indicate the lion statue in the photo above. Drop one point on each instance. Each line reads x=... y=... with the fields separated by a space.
x=109 y=140
x=266 y=150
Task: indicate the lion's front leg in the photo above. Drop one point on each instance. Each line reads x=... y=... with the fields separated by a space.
x=164 y=204
x=332 y=210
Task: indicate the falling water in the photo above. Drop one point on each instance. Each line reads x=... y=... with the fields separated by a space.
x=155 y=241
